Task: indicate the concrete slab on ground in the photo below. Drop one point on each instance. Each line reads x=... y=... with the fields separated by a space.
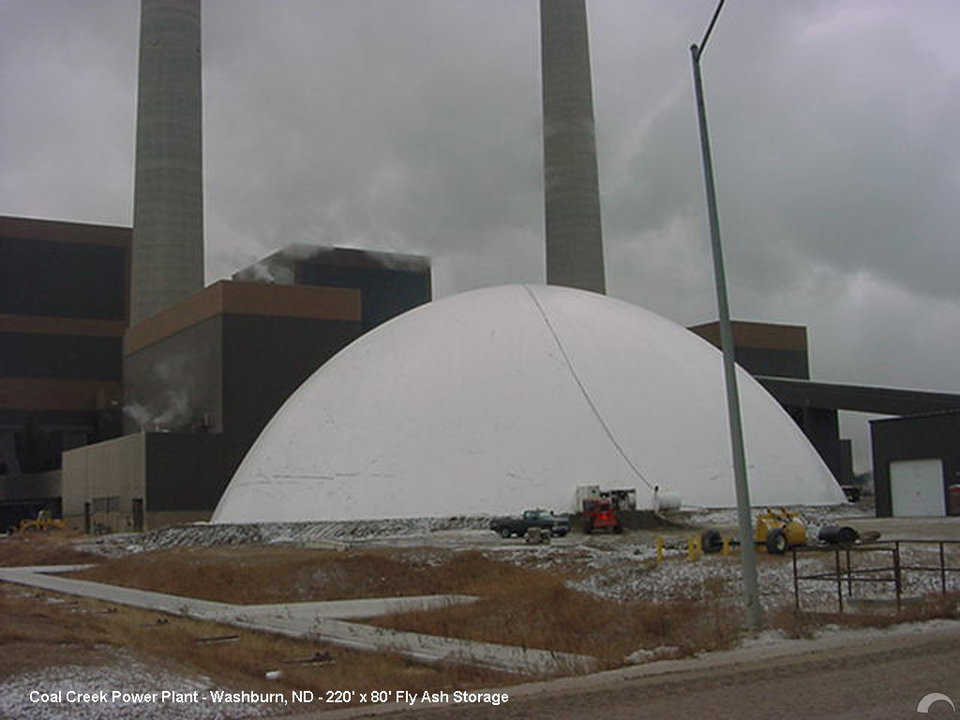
x=362 y=608
x=895 y=528
x=319 y=621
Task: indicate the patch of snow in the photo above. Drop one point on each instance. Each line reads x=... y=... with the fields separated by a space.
x=643 y=655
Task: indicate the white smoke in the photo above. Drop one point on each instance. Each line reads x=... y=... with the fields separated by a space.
x=174 y=408
x=140 y=414
x=259 y=272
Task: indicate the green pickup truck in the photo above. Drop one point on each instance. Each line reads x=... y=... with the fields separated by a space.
x=558 y=525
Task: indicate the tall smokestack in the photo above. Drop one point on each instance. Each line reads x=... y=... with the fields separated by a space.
x=167 y=257
x=572 y=195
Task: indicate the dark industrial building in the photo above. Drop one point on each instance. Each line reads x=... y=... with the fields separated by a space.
x=765 y=348
x=776 y=355
x=202 y=378
x=916 y=464
x=189 y=388
x=768 y=350
x=221 y=364
x=63 y=312
x=390 y=283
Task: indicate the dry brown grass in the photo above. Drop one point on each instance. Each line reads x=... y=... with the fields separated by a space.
x=42 y=629
x=541 y=612
x=806 y=624
x=257 y=575
x=51 y=547
x=527 y=607
x=521 y=606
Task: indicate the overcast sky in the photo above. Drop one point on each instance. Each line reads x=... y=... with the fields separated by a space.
x=414 y=125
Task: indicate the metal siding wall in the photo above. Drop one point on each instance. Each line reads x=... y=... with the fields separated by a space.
x=930 y=436
x=385 y=293
x=780 y=363
x=63 y=279
x=822 y=428
x=265 y=360
x=72 y=357
x=186 y=368
x=184 y=472
x=846 y=462
x=107 y=469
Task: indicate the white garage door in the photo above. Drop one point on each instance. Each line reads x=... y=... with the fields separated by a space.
x=916 y=487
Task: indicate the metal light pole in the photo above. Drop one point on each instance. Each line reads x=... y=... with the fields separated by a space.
x=748 y=552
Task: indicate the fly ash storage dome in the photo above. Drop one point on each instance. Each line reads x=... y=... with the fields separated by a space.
x=504 y=398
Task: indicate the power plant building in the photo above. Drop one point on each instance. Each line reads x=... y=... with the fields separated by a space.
x=203 y=377
x=63 y=312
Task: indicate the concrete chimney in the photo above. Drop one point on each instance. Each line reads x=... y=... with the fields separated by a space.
x=572 y=195
x=167 y=256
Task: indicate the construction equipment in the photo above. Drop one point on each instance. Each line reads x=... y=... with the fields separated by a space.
x=599 y=514
x=779 y=530
x=776 y=530
x=42 y=522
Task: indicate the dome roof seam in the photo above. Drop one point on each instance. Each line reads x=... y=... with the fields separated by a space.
x=583 y=390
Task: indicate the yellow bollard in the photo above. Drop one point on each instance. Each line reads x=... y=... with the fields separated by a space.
x=693 y=548
x=659 y=549
x=726 y=546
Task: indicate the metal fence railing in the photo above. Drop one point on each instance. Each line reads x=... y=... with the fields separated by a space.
x=845 y=573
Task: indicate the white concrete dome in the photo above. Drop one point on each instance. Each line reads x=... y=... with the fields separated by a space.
x=510 y=397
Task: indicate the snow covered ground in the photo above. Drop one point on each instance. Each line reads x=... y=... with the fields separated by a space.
x=622 y=567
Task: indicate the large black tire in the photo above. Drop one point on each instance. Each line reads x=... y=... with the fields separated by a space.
x=588 y=528
x=837 y=535
x=848 y=536
x=618 y=528
x=777 y=543
x=711 y=541
x=505 y=533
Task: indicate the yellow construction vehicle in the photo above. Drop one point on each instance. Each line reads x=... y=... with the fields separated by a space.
x=43 y=521
x=779 y=530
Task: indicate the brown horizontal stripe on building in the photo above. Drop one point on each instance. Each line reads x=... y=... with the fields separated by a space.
x=239 y=298
x=67 y=232
x=55 y=394
x=757 y=335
